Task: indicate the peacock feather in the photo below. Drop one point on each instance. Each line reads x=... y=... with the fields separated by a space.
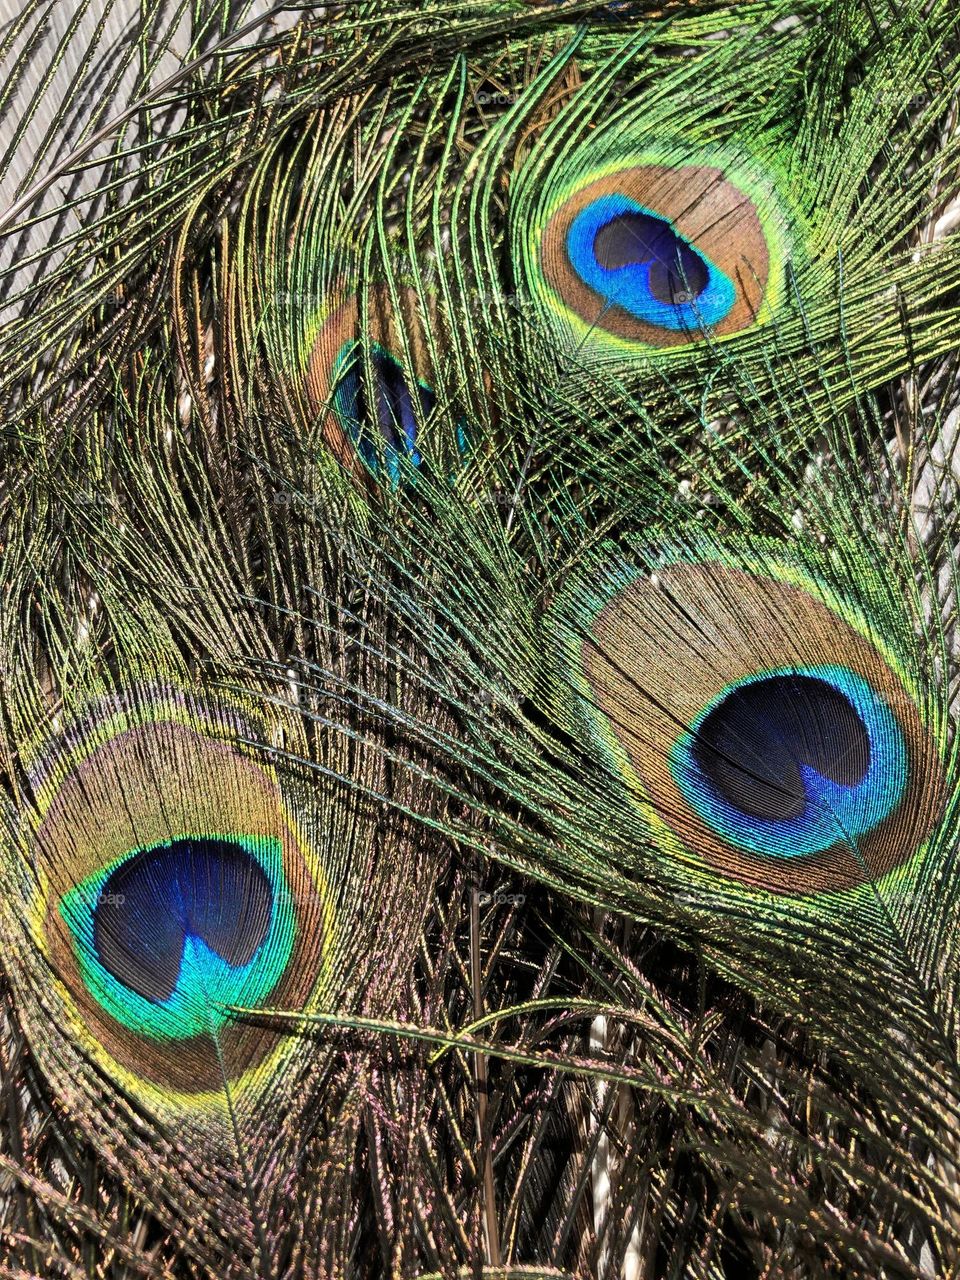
x=478 y=659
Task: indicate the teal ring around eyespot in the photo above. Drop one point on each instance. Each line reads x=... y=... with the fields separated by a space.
x=207 y=983
x=834 y=813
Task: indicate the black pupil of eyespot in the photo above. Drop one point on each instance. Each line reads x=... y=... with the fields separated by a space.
x=210 y=889
x=677 y=271
x=752 y=745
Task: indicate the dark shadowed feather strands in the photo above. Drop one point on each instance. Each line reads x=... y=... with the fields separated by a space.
x=479 y=571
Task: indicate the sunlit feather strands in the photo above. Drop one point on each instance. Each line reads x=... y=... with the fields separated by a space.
x=478 y=642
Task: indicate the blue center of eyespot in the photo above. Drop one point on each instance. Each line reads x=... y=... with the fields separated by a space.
x=636 y=260
x=790 y=762
x=167 y=935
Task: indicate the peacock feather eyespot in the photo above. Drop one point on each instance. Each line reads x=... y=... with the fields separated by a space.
x=636 y=260
x=175 y=881
x=385 y=432
x=661 y=254
x=755 y=721
x=376 y=384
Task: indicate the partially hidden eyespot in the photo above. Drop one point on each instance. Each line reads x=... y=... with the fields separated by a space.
x=385 y=430
x=377 y=387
